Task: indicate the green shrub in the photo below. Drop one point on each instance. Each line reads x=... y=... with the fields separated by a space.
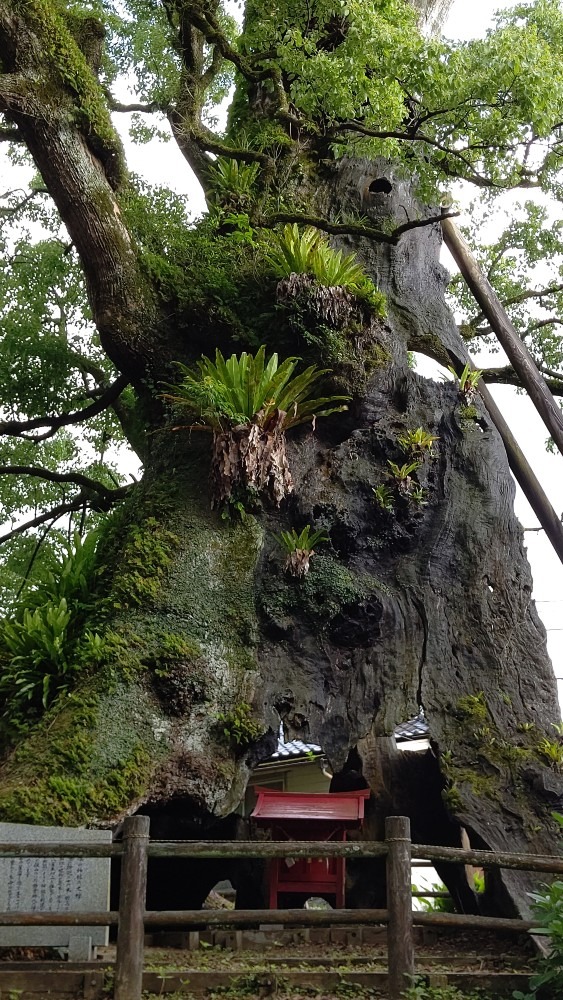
x=300 y=548
x=417 y=442
x=468 y=381
x=419 y=991
x=69 y=577
x=551 y=751
x=233 y=182
x=384 y=497
x=437 y=904
x=37 y=643
x=38 y=659
x=547 y=982
x=401 y=473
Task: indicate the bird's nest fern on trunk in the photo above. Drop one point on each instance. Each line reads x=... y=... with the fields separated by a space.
x=249 y=403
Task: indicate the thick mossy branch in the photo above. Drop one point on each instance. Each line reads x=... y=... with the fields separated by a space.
x=60 y=46
x=195 y=142
x=208 y=142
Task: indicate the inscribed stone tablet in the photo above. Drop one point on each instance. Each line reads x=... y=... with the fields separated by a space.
x=61 y=884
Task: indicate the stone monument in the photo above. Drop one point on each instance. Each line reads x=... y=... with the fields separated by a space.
x=31 y=884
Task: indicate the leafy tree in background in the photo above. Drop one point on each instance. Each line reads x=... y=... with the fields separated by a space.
x=338 y=110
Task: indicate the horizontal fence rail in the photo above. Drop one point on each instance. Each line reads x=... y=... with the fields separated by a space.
x=45 y=849
x=50 y=918
x=551 y=864
x=253 y=918
x=132 y=918
x=491 y=859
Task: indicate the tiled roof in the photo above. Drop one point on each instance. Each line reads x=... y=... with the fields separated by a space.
x=295 y=748
x=414 y=729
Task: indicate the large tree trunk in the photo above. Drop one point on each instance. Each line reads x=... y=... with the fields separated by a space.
x=207 y=642
x=426 y=606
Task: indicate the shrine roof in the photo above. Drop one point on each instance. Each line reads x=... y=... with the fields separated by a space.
x=347 y=807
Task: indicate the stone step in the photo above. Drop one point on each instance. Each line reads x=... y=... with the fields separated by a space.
x=64 y=985
x=258 y=984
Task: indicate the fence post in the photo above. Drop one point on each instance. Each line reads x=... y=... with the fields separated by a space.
x=400 y=948
x=132 y=902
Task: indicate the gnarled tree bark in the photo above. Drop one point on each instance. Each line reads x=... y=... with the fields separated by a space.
x=424 y=605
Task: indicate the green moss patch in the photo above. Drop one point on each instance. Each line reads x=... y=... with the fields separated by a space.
x=327 y=590
x=473 y=707
x=92 y=757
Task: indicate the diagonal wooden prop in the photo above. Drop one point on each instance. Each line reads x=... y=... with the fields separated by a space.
x=525 y=367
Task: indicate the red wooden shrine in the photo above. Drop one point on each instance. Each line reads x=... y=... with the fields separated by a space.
x=304 y=816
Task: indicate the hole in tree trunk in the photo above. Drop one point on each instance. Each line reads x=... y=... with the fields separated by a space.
x=380 y=185
x=185 y=883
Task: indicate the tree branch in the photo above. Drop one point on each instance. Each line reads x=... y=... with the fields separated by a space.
x=18 y=428
x=351 y=228
x=209 y=142
x=469 y=173
x=211 y=31
x=533 y=293
x=34 y=555
x=68 y=131
x=550 y=372
x=51 y=515
x=541 y=323
x=213 y=69
x=13 y=210
x=507 y=376
x=420 y=223
x=528 y=179
x=147 y=109
x=77 y=478
x=195 y=141
x=10 y=135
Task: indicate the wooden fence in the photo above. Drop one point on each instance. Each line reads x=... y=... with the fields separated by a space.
x=132 y=918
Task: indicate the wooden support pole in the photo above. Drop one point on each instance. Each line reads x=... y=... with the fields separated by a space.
x=518 y=354
x=132 y=902
x=524 y=475
x=400 y=947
